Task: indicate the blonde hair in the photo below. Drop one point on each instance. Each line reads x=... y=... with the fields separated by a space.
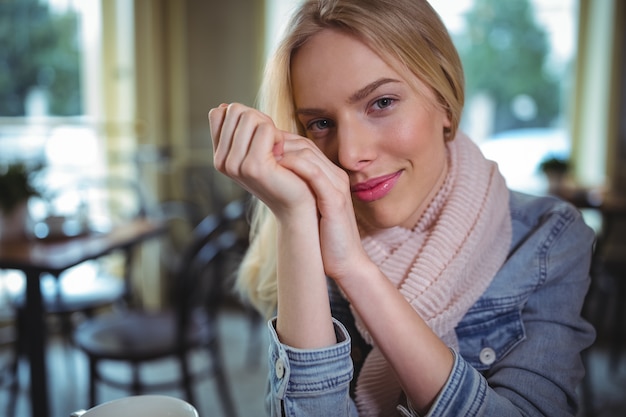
x=408 y=34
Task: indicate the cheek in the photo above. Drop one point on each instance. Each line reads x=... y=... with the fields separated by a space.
x=407 y=140
x=425 y=127
x=420 y=145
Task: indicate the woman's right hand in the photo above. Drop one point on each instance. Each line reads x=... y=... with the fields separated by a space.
x=247 y=147
x=267 y=162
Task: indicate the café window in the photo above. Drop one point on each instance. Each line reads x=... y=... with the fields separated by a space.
x=519 y=59
x=41 y=91
x=66 y=88
x=40 y=56
x=67 y=84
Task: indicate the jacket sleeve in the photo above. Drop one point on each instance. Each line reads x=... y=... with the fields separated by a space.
x=310 y=382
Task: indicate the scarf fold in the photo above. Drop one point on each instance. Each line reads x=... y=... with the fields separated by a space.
x=443 y=265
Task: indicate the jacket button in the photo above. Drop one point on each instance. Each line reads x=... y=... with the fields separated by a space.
x=279 y=367
x=487 y=356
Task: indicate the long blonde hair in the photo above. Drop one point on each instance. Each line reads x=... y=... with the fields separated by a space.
x=408 y=34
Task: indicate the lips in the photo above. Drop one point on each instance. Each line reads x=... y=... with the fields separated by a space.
x=375 y=188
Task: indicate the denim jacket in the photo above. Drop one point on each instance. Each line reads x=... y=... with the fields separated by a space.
x=519 y=344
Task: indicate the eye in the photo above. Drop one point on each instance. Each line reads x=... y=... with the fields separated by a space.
x=318 y=125
x=384 y=102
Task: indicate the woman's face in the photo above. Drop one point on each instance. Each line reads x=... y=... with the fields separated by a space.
x=372 y=123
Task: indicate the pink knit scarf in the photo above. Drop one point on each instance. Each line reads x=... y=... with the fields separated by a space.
x=443 y=265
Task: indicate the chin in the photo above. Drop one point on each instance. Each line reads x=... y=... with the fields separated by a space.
x=375 y=219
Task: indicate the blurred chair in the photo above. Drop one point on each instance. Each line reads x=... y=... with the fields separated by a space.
x=183 y=216
x=608 y=292
x=190 y=323
x=604 y=305
x=86 y=205
x=8 y=366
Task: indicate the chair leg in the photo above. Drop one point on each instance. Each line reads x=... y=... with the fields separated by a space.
x=93 y=377
x=221 y=380
x=10 y=373
x=255 y=321
x=618 y=324
x=186 y=377
x=136 y=384
x=11 y=405
x=13 y=380
x=67 y=330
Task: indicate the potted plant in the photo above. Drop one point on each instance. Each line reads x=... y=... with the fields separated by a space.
x=555 y=169
x=16 y=188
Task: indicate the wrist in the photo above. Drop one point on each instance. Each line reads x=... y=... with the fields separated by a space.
x=362 y=276
x=299 y=219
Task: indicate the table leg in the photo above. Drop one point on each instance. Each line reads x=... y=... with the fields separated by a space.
x=36 y=349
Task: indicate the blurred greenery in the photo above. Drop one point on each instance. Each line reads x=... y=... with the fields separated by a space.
x=38 y=49
x=16 y=183
x=504 y=53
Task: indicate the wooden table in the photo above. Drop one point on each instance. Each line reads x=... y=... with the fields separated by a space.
x=35 y=257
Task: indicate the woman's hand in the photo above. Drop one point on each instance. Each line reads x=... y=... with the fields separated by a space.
x=291 y=176
x=340 y=241
x=248 y=148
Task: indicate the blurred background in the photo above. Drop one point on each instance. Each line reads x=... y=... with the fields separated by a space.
x=101 y=88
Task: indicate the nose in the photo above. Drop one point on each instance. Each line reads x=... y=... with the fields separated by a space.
x=355 y=145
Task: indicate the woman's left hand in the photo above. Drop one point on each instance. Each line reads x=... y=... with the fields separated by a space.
x=339 y=235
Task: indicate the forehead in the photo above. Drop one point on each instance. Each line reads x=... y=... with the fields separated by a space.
x=336 y=63
x=333 y=59
x=328 y=42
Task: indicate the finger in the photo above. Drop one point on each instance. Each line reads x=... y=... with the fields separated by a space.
x=330 y=188
x=216 y=119
x=305 y=149
x=279 y=144
x=252 y=140
x=233 y=131
x=232 y=113
x=265 y=150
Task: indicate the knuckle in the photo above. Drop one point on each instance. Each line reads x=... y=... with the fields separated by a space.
x=265 y=127
x=218 y=160
x=249 y=169
x=230 y=167
x=217 y=163
x=235 y=107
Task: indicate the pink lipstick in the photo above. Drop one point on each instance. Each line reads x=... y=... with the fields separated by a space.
x=375 y=188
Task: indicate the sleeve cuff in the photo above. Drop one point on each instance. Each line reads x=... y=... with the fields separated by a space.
x=304 y=371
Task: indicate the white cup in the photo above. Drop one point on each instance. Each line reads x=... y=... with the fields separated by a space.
x=142 y=406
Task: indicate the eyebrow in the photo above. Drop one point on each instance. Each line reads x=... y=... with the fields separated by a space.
x=357 y=96
x=368 y=89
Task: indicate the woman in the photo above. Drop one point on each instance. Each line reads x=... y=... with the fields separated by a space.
x=405 y=278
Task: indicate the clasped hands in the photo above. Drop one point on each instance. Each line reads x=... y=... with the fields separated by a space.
x=292 y=176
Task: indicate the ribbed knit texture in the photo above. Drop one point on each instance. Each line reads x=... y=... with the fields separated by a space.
x=443 y=265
